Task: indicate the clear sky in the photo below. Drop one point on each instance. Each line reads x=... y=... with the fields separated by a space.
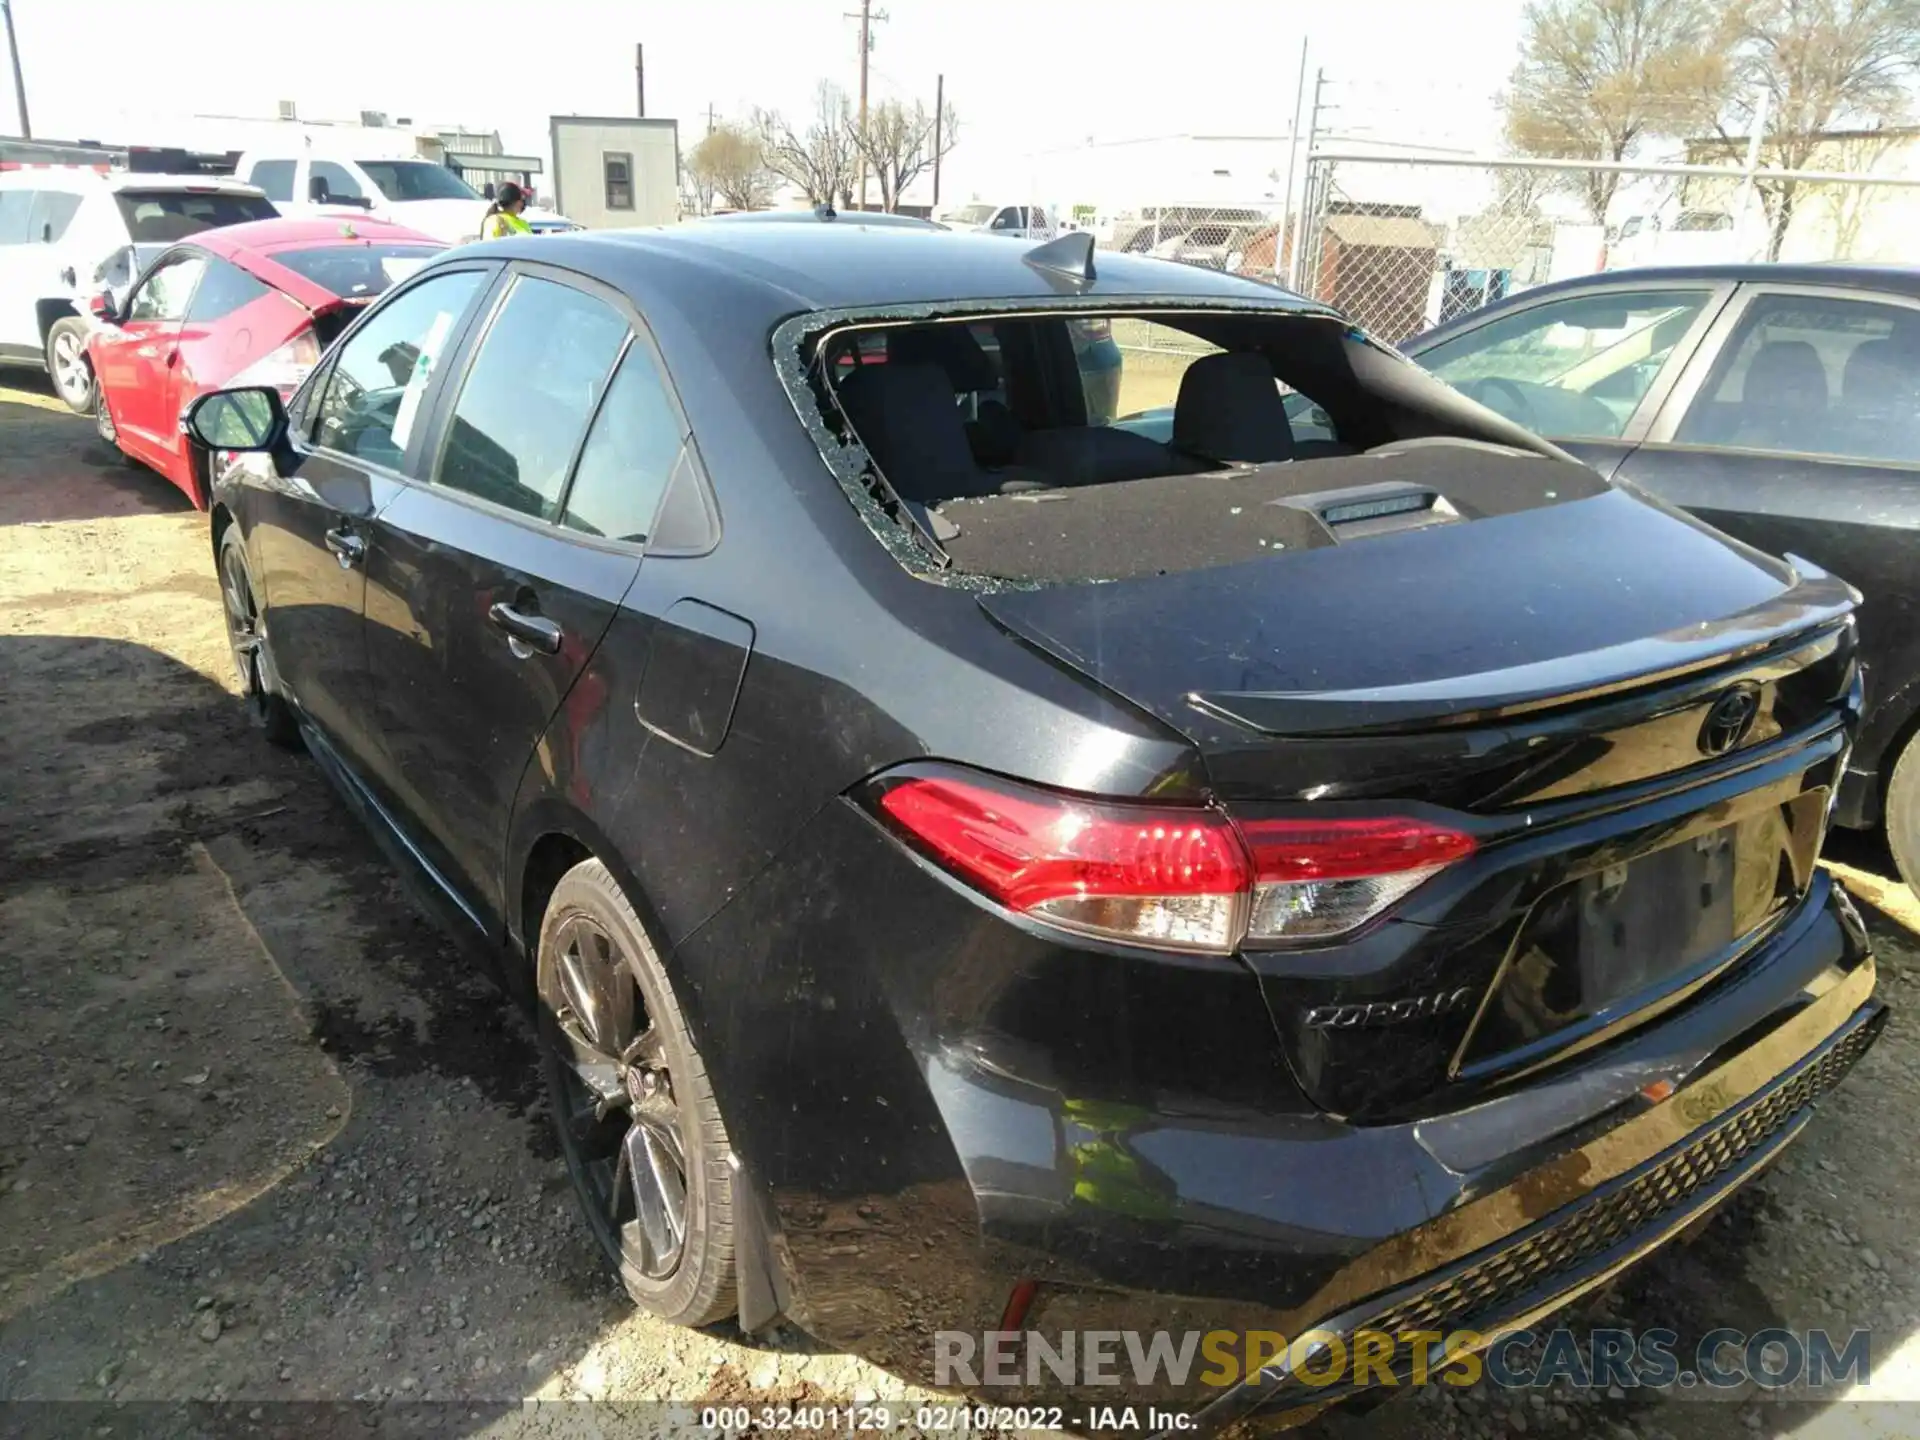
x=1025 y=75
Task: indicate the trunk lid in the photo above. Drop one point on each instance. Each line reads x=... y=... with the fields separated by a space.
x=1637 y=719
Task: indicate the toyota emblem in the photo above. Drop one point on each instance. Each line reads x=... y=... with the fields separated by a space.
x=1729 y=719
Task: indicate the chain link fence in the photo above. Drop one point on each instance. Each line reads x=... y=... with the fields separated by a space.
x=1402 y=245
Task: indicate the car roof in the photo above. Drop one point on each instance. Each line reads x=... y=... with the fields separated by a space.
x=786 y=268
x=263 y=237
x=824 y=216
x=1839 y=274
x=85 y=177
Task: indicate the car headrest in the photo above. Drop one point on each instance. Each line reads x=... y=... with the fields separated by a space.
x=1230 y=410
x=1785 y=375
x=950 y=347
x=1880 y=375
x=907 y=419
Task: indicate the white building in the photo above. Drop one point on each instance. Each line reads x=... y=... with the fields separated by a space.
x=616 y=171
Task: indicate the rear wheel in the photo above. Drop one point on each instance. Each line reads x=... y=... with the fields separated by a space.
x=642 y=1136
x=67 y=363
x=1903 y=814
x=246 y=637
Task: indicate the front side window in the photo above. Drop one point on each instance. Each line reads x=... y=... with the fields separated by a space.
x=373 y=392
x=1815 y=376
x=1576 y=367
x=16 y=206
x=1009 y=219
x=327 y=181
x=619 y=170
x=222 y=290
x=164 y=294
x=527 y=397
x=275 y=177
x=630 y=453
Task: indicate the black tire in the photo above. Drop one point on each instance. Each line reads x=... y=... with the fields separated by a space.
x=67 y=364
x=108 y=432
x=1903 y=814
x=602 y=990
x=247 y=639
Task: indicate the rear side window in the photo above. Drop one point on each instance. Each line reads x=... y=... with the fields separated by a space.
x=373 y=393
x=630 y=453
x=53 y=212
x=222 y=290
x=158 y=217
x=527 y=396
x=354 y=272
x=1815 y=375
x=275 y=177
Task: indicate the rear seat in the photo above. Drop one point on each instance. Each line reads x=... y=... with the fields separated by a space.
x=1230 y=412
x=906 y=418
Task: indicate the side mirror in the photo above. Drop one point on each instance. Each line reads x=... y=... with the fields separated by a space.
x=103 y=309
x=249 y=419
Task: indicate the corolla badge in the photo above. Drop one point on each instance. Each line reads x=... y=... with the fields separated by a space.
x=1729 y=719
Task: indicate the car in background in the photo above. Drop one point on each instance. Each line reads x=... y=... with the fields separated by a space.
x=1143 y=880
x=1779 y=403
x=1691 y=237
x=1216 y=245
x=64 y=229
x=1012 y=222
x=253 y=304
x=420 y=194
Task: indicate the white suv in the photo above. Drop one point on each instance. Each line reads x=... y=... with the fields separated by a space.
x=419 y=194
x=67 y=232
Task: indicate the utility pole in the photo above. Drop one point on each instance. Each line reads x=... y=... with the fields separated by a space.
x=20 y=85
x=709 y=117
x=939 y=120
x=867 y=16
x=1297 y=270
x=1290 y=229
x=640 y=79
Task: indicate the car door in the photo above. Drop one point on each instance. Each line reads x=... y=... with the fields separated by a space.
x=1797 y=429
x=357 y=434
x=1586 y=367
x=19 y=326
x=482 y=607
x=134 y=359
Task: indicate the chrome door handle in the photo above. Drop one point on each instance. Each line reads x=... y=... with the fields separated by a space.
x=348 y=548
x=527 y=633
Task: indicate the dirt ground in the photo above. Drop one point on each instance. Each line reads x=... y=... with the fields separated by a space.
x=265 y=1137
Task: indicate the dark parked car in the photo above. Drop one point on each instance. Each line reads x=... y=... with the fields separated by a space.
x=1780 y=403
x=1223 y=881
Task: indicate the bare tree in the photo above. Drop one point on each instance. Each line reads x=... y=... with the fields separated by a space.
x=1598 y=76
x=730 y=162
x=819 y=161
x=1823 y=66
x=898 y=143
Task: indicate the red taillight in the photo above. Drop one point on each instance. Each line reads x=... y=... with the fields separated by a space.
x=1183 y=878
x=285 y=368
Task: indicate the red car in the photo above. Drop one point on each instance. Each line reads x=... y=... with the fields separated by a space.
x=252 y=304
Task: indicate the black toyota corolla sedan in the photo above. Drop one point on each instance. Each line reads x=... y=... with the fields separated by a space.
x=979 y=869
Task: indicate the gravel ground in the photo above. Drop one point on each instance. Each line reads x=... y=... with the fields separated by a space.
x=264 y=1136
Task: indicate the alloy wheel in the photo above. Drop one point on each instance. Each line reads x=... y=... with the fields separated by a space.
x=621 y=1116
x=243 y=622
x=70 y=374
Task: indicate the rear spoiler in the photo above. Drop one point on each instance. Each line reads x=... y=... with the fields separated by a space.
x=1815 y=605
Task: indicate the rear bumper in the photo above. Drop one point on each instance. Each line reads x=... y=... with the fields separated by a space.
x=960 y=1106
x=1541 y=1267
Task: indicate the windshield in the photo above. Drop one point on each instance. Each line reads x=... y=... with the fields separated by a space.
x=975 y=214
x=159 y=217
x=356 y=272
x=416 y=180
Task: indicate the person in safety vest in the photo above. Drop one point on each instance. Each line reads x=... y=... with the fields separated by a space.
x=503 y=215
